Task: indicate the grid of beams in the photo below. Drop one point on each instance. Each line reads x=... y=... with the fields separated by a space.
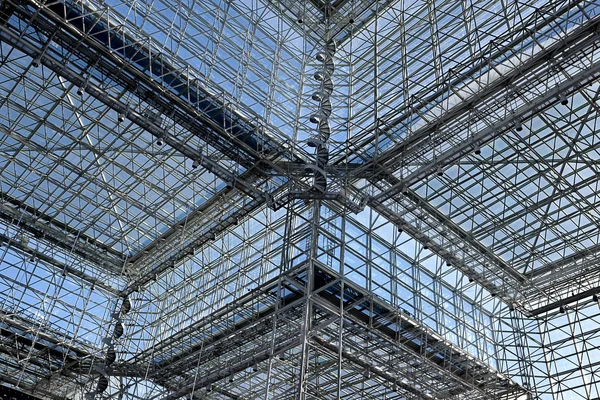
x=155 y=153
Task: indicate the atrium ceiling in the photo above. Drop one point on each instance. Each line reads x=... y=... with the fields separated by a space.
x=254 y=199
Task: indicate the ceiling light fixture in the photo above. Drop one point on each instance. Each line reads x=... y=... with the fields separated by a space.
x=518 y=126
x=563 y=99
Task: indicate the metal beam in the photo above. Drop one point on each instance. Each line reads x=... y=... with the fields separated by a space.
x=217 y=375
x=235 y=181
x=60 y=266
x=465 y=237
x=586 y=294
x=171 y=88
x=100 y=94
x=42 y=226
x=174 y=96
x=571 y=44
x=428 y=99
x=361 y=362
x=391 y=325
x=566 y=261
x=580 y=38
x=165 y=253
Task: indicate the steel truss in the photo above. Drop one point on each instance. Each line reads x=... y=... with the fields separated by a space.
x=260 y=332
x=374 y=268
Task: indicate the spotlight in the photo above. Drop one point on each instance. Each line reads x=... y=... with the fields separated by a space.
x=36 y=62
x=321 y=56
x=231 y=379
x=318 y=96
x=321 y=75
x=471 y=280
x=300 y=20
x=439 y=171
x=448 y=263
x=425 y=246
x=118 y=330
x=493 y=294
x=125 y=305
x=563 y=99
x=80 y=90
x=195 y=164
x=255 y=368
x=595 y=297
x=121 y=117
x=159 y=141
x=102 y=384
x=562 y=309
x=111 y=355
x=518 y=126
x=476 y=149
x=317 y=118
x=351 y=20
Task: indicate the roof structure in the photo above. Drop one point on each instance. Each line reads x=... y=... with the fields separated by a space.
x=277 y=199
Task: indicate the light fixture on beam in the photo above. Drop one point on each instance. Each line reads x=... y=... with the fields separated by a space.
x=111 y=355
x=563 y=99
x=518 y=126
x=125 y=305
x=118 y=330
x=122 y=115
x=322 y=56
x=102 y=384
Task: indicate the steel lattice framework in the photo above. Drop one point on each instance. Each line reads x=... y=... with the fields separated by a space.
x=277 y=199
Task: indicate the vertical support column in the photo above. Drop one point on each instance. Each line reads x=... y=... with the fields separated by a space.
x=307 y=318
x=287 y=257
x=341 y=322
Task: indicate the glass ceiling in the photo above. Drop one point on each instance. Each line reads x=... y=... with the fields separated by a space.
x=71 y=160
x=465 y=132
